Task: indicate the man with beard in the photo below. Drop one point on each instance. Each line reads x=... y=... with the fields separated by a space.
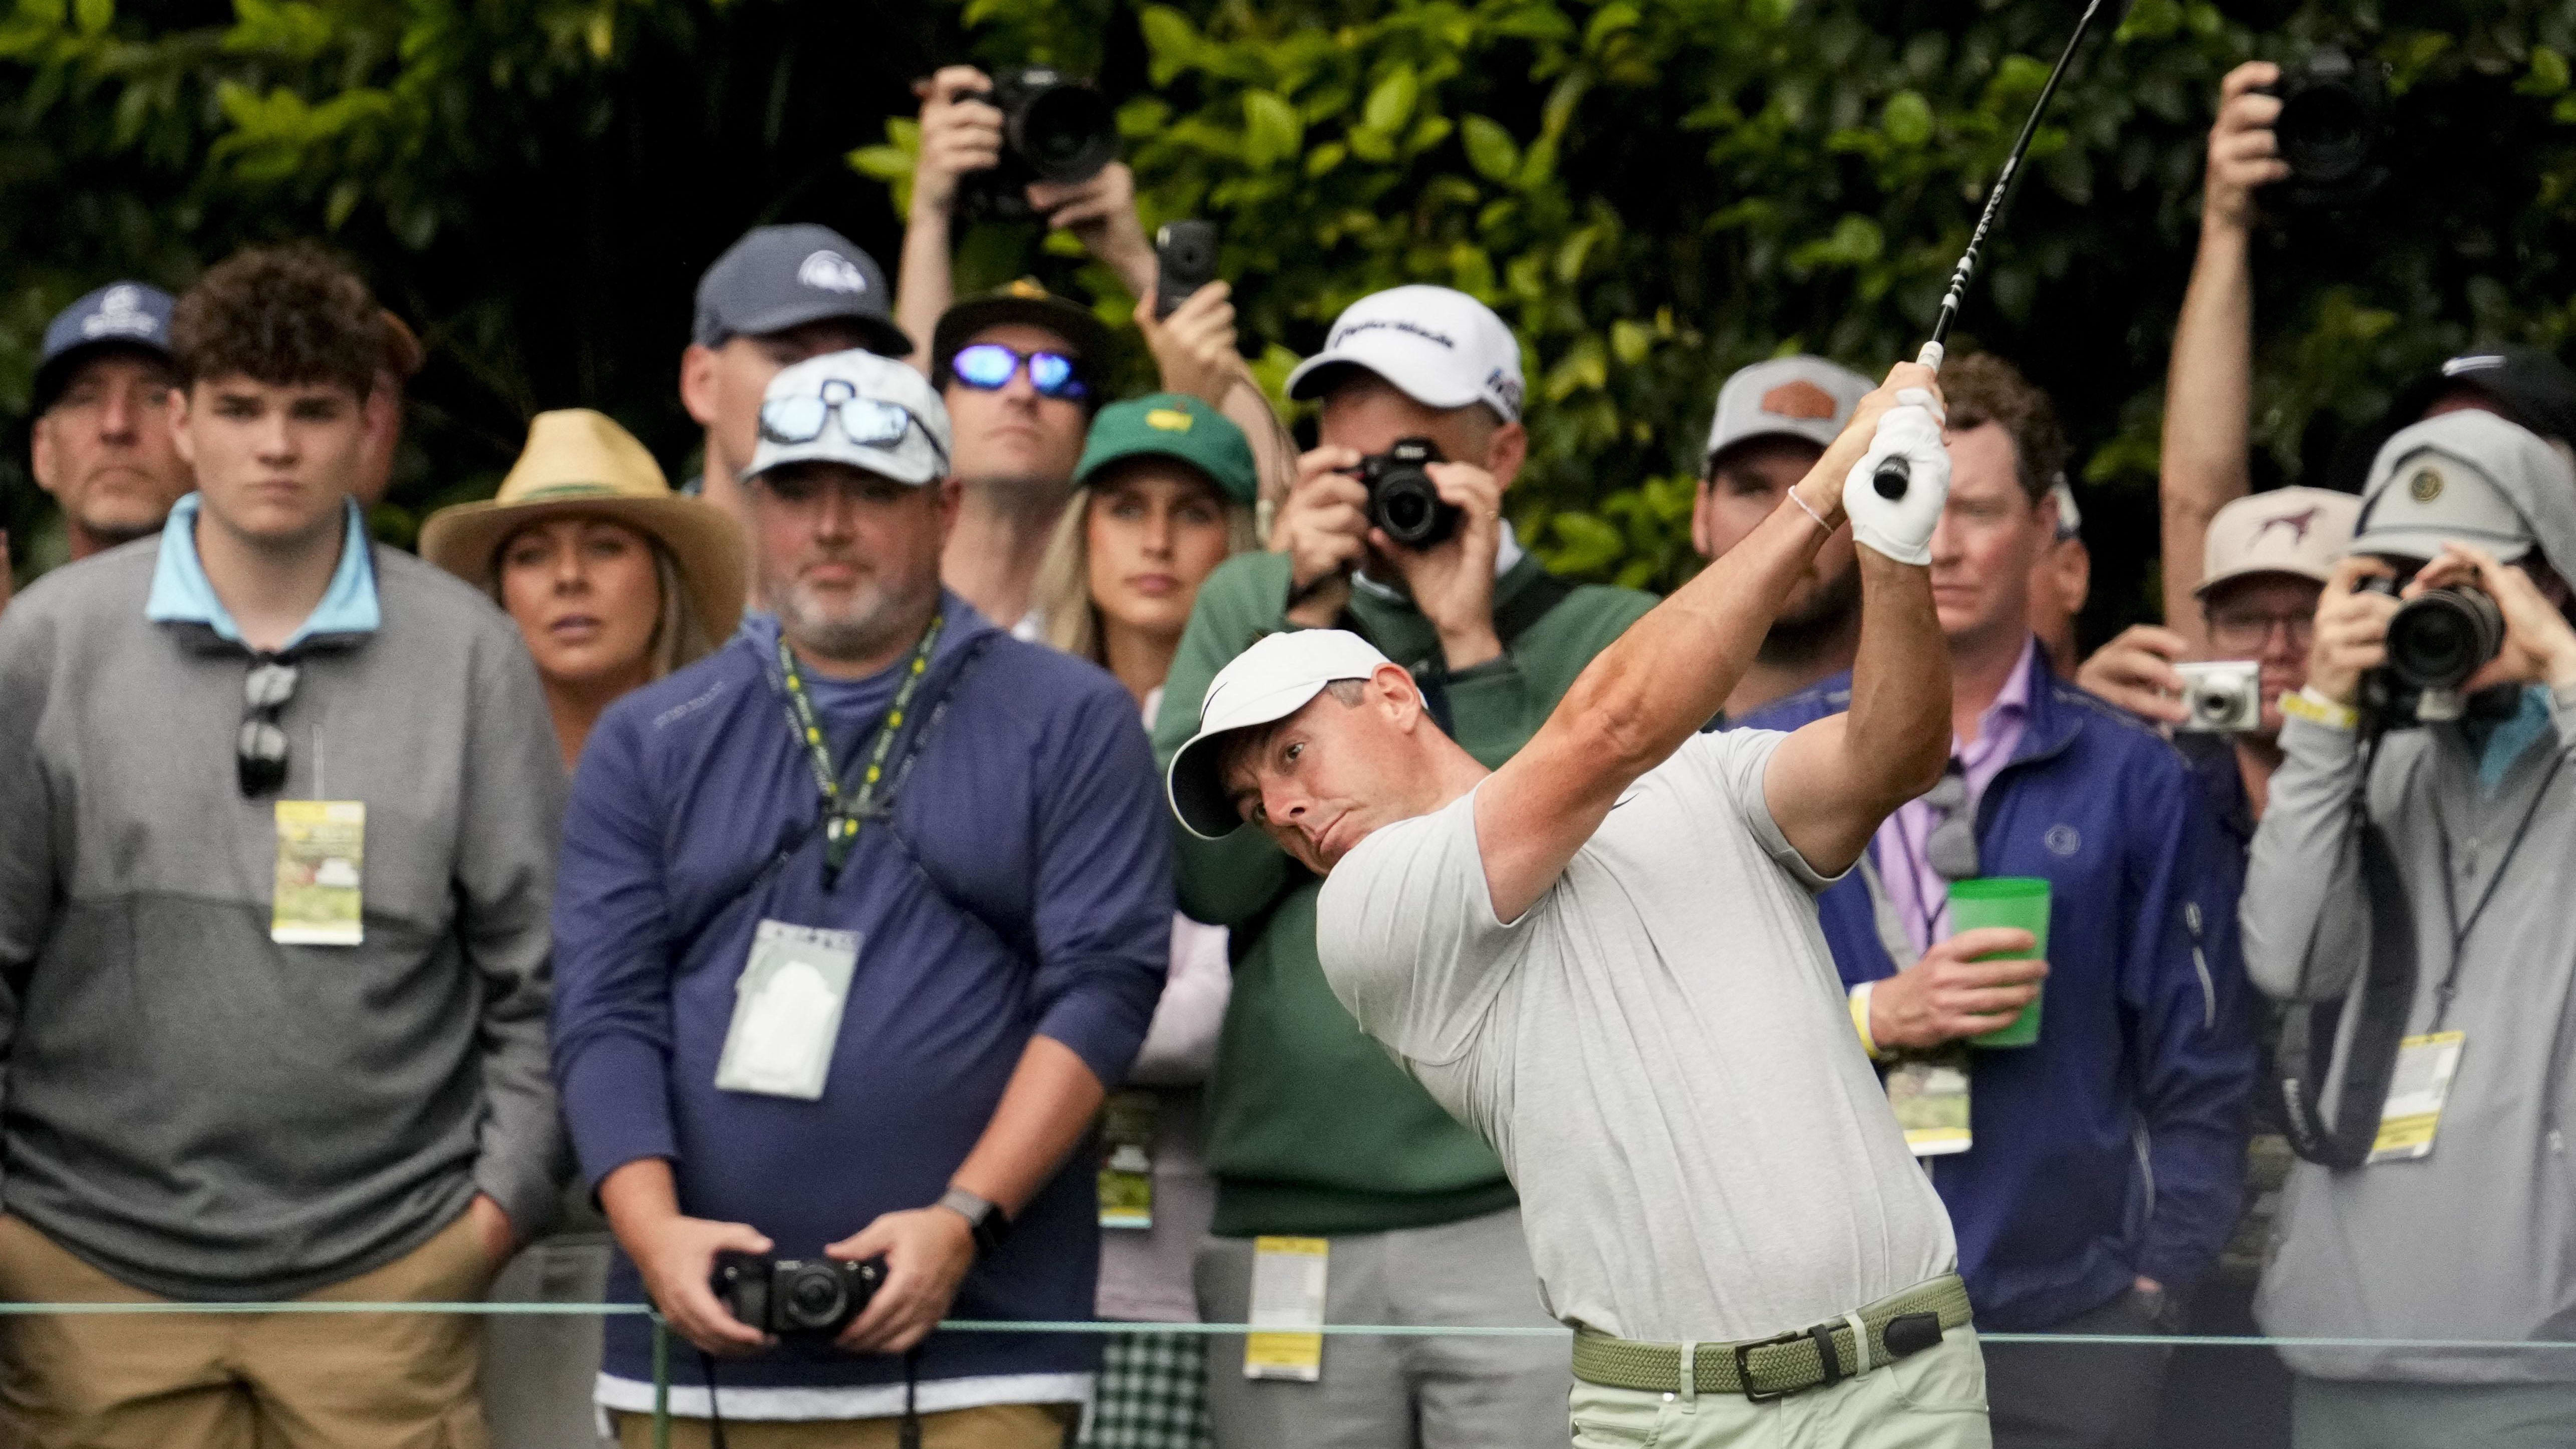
x=1774 y=420
x=861 y=915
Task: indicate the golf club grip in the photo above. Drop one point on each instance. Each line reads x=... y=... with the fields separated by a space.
x=1894 y=476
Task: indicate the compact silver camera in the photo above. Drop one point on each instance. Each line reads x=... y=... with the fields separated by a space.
x=2225 y=696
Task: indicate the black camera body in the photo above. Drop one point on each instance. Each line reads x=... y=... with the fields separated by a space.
x=1054 y=128
x=1402 y=500
x=794 y=1297
x=2334 y=115
x=1184 y=261
x=2435 y=642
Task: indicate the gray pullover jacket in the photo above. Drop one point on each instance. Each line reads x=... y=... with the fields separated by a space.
x=187 y=1105
x=2478 y=1240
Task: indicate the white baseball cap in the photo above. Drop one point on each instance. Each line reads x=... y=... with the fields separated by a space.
x=1442 y=348
x=1794 y=397
x=1264 y=684
x=858 y=408
x=2457 y=478
x=2297 y=531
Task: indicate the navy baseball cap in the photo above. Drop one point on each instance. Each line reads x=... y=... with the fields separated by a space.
x=779 y=277
x=120 y=314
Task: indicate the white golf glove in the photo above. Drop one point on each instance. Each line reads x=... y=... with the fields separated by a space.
x=1901 y=528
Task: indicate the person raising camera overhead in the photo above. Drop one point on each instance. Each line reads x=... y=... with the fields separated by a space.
x=1313 y=1130
x=2408 y=878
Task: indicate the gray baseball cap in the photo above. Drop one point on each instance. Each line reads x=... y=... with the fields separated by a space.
x=779 y=277
x=1795 y=397
x=2464 y=477
x=119 y=315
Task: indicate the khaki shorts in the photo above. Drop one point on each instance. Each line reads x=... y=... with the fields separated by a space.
x=994 y=1426
x=250 y=1381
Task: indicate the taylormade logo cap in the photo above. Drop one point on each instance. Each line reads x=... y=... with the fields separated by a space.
x=1439 y=347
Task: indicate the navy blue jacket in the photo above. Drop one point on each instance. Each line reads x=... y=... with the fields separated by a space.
x=1020 y=884
x=2114 y=1147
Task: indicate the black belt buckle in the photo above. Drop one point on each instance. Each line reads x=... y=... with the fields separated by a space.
x=1744 y=1365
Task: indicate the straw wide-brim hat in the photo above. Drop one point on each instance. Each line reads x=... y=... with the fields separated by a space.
x=582 y=464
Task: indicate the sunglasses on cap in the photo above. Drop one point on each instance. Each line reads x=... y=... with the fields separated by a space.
x=260 y=753
x=867 y=421
x=988 y=366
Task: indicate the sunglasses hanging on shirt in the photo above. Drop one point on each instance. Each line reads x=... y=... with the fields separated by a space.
x=1951 y=848
x=989 y=366
x=260 y=752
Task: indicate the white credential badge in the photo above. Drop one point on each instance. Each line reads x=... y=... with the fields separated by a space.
x=787 y=1011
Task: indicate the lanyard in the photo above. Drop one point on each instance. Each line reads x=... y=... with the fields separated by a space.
x=2450 y=902
x=841 y=818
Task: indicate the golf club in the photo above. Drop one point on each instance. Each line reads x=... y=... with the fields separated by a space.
x=1893 y=476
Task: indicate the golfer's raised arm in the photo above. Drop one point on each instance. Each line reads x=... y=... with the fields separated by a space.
x=1646 y=694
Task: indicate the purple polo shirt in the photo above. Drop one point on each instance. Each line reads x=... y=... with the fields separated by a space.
x=1920 y=895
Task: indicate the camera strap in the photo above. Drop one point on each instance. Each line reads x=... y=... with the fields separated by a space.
x=907 y=1433
x=2387 y=994
x=2459 y=928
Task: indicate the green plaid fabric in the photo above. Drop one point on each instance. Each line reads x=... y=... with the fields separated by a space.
x=1153 y=1394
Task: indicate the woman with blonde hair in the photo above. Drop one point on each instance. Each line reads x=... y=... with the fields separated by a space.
x=613 y=579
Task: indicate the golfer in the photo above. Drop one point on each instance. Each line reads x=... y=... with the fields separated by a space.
x=1604 y=956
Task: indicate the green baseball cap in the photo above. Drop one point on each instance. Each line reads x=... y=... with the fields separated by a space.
x=1172 y=425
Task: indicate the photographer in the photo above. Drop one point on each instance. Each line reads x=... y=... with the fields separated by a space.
x=2435 y=916
x=1313 y=1130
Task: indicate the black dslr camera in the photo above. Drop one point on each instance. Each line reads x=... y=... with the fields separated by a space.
x=2436 y=641
x=1054 y=128
x=2334 y=113
x=803 y=1297
x=1401 y=496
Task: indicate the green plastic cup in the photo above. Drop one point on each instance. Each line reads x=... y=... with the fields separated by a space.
x=2020 y=902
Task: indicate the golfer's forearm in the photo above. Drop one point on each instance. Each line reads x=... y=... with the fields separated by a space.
x=1044 y=1111
x=2208 y=405
x=1898 y=736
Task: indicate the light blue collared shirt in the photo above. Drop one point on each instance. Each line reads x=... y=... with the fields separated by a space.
x=181 y=593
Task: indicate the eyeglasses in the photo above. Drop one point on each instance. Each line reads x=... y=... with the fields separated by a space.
x=2251 y=629
x=260 y=754
x=988 y=366
x=1951 y=848
x=870 y=422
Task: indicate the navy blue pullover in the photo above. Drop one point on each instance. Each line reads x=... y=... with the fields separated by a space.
x=1019 y=884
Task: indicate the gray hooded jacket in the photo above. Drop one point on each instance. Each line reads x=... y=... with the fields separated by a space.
x=2477 y=1240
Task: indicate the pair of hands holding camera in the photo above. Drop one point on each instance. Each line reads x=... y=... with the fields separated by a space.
x=2352 y=624
x=961 y=135
x=926 y=1251
x=1324 y=529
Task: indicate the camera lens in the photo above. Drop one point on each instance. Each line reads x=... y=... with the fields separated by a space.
x=2215 y=704
x=2441 y=637
x=2324 y=133
x=1067 y=133
x=814 y=1296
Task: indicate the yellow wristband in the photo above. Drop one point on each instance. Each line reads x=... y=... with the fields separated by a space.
x=2315 y=708
x=1860 y=1020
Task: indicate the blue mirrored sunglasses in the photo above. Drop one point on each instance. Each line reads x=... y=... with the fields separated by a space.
x=867 y=421
x=988 y=366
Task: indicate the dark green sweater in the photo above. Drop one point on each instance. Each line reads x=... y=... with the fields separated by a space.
x=1312 y=1128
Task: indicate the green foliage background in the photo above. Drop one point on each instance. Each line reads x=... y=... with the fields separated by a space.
x=1652 y=192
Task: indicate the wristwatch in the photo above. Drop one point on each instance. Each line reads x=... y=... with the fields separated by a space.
x=986 y=1220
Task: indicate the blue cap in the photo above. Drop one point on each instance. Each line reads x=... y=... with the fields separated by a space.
x=120 y=314
x=779 y=277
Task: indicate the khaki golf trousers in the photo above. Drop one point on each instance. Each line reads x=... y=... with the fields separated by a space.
x=1935 y=1399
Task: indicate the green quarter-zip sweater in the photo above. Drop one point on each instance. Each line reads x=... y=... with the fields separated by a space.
x=1312 y=1128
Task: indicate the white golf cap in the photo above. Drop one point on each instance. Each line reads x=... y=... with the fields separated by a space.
x=2296 y=531
x=2455 y=479
x=1786 y=397
x=825 y=393
x=1265 y=684
x=1441 y=348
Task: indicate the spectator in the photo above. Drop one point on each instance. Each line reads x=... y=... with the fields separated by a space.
x=402 y=361
x=1006 y=912
x=101 y=442
x=2060 y=581
x=1163 y=495
x=1313 y=1131
x=779 y=295
x=2104 y=1162
x=613 y=579
x=2462 y=1228
x=1774 y=420
x=321 y=1073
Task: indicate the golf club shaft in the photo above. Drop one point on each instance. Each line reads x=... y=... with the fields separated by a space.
x=1893 y=475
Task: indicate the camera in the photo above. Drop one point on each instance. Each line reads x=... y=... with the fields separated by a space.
x=1054 y=128
x=1402 y=499
x=2439 y=638
x=2224 y=696
x=805 y=1297
x=2333 y=116
x=1184 y=261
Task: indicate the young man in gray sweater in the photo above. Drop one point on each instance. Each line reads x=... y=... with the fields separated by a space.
x=277 y=824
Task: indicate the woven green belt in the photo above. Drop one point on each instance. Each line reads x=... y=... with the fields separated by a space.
x=1768 y=1368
